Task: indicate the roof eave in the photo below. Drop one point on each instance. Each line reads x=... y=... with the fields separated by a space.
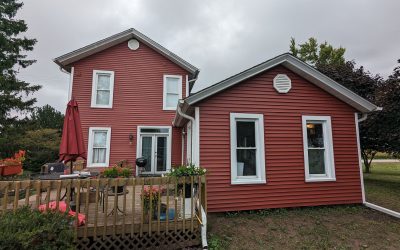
x=298 y=67
x=66 y=59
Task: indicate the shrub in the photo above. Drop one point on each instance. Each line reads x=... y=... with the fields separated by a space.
x=31 y=229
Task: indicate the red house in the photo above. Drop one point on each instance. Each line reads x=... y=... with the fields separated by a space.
x=280 y=134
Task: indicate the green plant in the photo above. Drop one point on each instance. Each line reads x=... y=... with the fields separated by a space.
x=187 y=170
x=30 y=229
x=151 y=194
x=115 y=172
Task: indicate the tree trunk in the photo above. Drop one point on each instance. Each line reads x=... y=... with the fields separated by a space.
x=368 y=156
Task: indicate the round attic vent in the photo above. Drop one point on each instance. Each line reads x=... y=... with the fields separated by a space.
x=282 y=83
x=133 y=44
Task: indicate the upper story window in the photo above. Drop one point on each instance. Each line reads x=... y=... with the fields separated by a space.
x=172 y=91
x=318 y=148
x=99 y=147
x=102 y=89
x=247 y=148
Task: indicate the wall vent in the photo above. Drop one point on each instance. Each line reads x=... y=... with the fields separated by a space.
x=282 y=83
x=133 y=44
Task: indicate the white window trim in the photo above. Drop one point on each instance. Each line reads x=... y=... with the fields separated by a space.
x=260 y=165
x=328 y=144
x=165 y=90
x=139 y=146
x=94 y=88
x=90 y=147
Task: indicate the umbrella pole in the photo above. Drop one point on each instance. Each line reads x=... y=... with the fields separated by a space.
x=72 y=189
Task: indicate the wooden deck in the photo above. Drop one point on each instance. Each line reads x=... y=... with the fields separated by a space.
x=107 y=214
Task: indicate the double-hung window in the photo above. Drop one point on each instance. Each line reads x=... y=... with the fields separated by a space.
x=102 y=89
x=172 y=91
x=99 y=147
x=318 y=148
x=247 y=148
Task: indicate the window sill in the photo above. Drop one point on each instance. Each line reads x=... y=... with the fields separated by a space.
x=248 y=182
x=101 y=107
x=169 y=109
x=320 y=179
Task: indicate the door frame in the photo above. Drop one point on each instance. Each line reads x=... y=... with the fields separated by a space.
x=169 y=140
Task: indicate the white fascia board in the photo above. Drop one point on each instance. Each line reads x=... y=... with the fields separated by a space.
x=298 y=67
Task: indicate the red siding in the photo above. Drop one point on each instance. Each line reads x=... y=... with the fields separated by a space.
x=284 y=161
x=138 y=97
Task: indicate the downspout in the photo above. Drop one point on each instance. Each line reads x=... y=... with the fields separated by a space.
x=365 y=203
x=204 y=216
x=179 y=110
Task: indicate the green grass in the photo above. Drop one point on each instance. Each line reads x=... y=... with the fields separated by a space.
x=332 y=227
x=382 y=185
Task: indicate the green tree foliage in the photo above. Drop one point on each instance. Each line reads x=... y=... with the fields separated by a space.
x=14 y=93
x=47 y=117
x=41 y=146
x=317 y=54
x=331 y=62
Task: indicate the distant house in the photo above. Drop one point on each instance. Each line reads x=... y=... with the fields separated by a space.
x=280 y=134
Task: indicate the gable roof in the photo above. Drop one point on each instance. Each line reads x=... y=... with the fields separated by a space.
x=299 y=67
x=66 y=59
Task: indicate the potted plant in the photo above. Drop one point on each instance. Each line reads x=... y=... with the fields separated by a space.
x=12 y=165
x=185 y=171
x=154 y=192
x=117 y=172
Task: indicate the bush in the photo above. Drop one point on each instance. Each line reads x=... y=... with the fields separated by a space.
x=31 y=229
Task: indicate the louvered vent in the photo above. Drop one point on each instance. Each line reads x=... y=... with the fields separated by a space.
x=282 y=83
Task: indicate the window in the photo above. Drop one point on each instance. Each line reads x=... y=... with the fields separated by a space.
x=99 y=147
x=247 y=148
x=172 y=91
x=102 y=89
x=318 y=148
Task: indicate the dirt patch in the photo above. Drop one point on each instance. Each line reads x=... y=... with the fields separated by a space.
x=334 y=227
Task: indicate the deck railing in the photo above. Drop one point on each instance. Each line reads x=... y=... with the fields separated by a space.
x=116 y=206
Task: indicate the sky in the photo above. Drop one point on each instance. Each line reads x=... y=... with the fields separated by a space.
x=221 y=38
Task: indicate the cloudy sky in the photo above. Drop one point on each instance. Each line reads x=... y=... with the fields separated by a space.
x=219 y=37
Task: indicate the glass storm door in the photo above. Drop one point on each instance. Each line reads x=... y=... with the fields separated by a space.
x=154 y=149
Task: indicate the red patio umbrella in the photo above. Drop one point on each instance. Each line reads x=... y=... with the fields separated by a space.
x=72 y=145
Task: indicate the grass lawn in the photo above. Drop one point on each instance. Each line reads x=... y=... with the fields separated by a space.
x=382 y=185
x=334 y=227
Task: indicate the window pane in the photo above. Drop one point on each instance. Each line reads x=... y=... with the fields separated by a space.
x=161 y=153
x=173 y=85
x=246 y=134
x=154 y=130
x=99 y=139
x=316 y=161
x=146 y=152
x=103 y=82
x=103 y=97
x=246 y=162
x=99 y=155
x=172 y=100
x=315 y=135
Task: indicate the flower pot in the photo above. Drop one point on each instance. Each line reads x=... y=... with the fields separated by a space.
x=11 y=170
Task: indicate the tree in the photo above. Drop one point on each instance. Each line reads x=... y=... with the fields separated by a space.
x=41 y=147
x=47 y=117
x=331 y=62
x=317 y=54
x=14 y=93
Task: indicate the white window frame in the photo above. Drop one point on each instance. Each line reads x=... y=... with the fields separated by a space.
x=90 y=147
x=259 y=178
x=328 y=145
x=94 y=88
x=165 y=90
x=169 y=142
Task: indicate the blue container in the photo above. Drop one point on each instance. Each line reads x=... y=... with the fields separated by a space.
x=171 y=215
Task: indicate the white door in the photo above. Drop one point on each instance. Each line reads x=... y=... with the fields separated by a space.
x=155 y=147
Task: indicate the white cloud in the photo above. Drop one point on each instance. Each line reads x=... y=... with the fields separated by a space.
x=220 y=37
